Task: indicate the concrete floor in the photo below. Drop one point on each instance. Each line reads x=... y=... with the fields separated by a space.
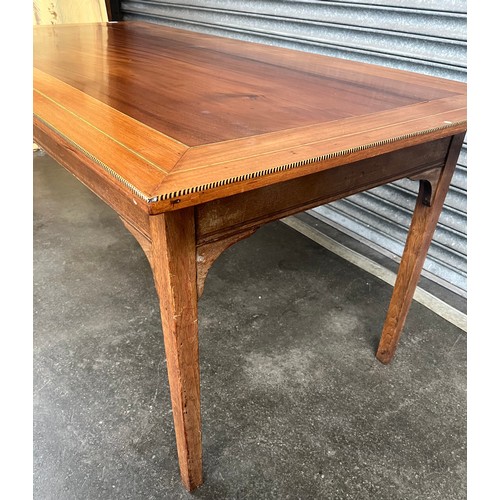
x=294 y=404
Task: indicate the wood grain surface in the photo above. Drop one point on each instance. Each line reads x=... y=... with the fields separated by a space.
x=182 y=118
x=173 y=261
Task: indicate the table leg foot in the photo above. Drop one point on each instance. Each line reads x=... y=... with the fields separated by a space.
x=173 y=260
x=424 y=221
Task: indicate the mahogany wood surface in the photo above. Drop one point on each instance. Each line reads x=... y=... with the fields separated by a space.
x=173 y=262
x=423 y=224
x=188 y=113
x=196 y=141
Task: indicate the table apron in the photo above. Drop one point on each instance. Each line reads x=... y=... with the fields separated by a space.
x=226 y=218
x=221 y=219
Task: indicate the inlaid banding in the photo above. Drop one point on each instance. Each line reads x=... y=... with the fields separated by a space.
x=251 y=175
x=105 y=167
x=301 y=163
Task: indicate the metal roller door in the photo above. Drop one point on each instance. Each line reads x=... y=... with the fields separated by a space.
x=425 y=36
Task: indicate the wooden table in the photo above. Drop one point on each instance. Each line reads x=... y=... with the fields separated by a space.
x=196 y=141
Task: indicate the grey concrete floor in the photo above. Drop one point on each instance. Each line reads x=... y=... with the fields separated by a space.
x=294 y=403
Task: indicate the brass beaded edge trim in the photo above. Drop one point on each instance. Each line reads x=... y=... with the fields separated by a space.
x=253 y=175
x=289 y=166
x=105 y=167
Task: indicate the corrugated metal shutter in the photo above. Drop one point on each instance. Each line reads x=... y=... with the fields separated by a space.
x=425 y=36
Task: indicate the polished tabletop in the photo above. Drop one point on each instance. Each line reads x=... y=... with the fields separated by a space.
x=188 y=113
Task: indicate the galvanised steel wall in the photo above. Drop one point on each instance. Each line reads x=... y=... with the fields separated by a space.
x=425 y=36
